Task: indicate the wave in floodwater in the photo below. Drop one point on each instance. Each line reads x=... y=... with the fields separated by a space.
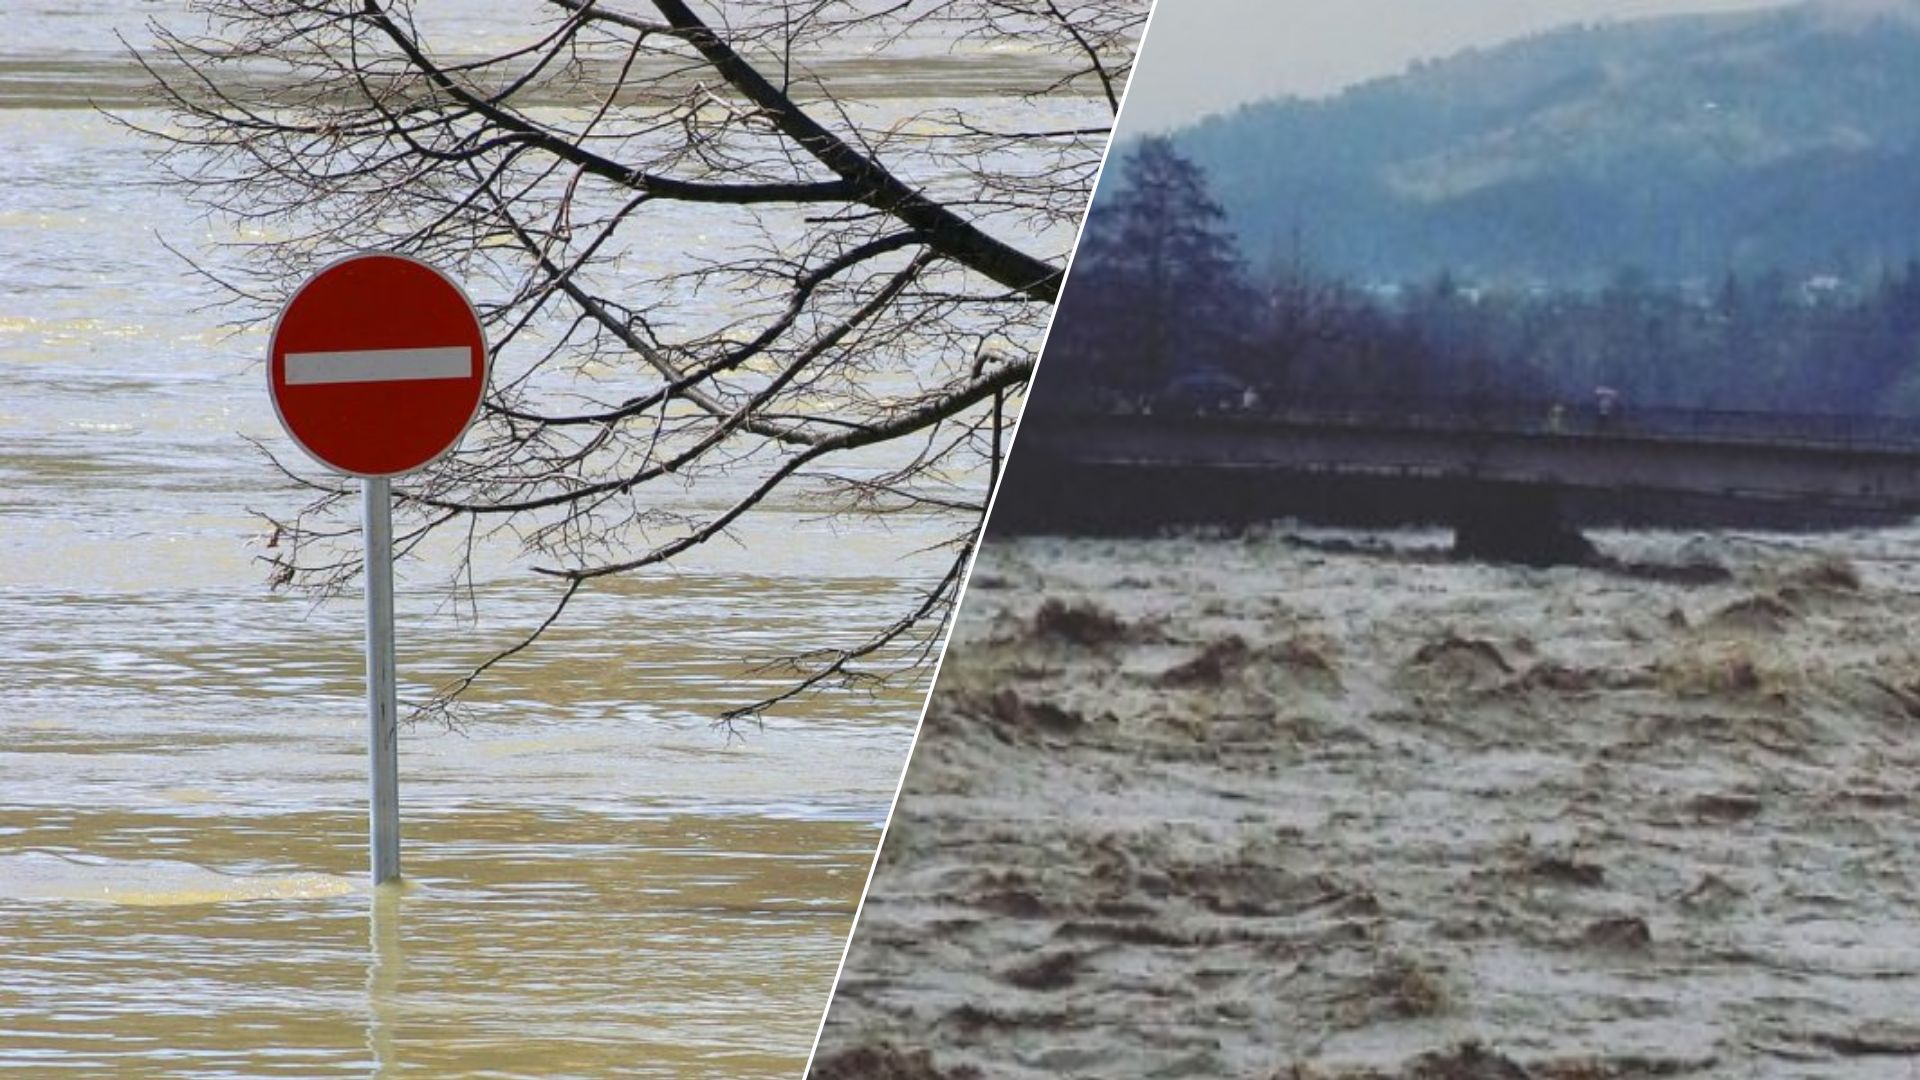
x=152 y=882
x=1291 y=805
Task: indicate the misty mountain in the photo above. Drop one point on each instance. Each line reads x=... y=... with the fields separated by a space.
x=1683 y=146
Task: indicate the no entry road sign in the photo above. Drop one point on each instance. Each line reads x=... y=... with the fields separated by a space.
x=377 y=365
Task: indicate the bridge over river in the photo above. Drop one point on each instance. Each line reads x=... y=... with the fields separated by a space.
x=1502 y=473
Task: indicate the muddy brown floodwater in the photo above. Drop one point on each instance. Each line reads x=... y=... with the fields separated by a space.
x=599 y=882
x=1272 y=808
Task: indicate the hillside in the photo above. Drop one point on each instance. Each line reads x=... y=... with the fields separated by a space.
x=1683 y=145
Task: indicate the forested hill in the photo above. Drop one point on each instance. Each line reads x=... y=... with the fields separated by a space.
x=1684 y=146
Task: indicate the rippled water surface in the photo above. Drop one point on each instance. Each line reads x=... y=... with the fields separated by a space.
x=599 y=881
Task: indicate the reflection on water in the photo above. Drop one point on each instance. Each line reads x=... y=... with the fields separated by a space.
x=599 y=882
x=386 y=964
x=533 y=941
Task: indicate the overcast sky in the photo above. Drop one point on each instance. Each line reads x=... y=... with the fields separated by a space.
x=1203 y=56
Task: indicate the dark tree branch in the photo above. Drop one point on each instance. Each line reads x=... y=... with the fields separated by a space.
x=694 y=271
x=946 y=231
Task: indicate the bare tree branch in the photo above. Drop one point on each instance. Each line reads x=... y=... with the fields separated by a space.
x=698 y=263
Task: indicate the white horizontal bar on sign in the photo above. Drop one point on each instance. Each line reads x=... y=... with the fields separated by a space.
x=379 y=365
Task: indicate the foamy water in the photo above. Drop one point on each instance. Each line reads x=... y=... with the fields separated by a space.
x=1224 y=807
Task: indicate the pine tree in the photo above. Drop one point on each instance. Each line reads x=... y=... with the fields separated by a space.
x=1164 y=266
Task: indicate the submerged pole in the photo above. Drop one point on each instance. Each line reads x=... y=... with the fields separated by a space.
x=383 y=729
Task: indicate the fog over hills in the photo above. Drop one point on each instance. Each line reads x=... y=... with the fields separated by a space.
x=1683 y=146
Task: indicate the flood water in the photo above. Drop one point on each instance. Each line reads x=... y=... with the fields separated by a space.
x=599 y=881
x=1315 y=805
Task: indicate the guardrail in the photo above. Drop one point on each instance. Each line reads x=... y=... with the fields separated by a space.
x=1544 y=418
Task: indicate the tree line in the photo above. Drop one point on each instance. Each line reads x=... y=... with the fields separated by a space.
x=1163 y=310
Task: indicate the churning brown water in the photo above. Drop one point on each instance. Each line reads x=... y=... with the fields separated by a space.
x=1265 y=808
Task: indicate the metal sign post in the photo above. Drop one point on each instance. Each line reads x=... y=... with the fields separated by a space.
x=383 y=724
x=377 y=366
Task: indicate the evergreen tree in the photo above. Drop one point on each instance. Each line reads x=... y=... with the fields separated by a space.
x=1159 y=266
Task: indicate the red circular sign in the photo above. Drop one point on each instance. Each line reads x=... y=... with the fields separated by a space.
x=377 y=365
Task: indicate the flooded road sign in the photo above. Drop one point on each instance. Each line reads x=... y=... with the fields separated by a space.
x=376 y=367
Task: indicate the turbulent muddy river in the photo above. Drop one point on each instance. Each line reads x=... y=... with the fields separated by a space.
x=1327 y=806
x=600 y=882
